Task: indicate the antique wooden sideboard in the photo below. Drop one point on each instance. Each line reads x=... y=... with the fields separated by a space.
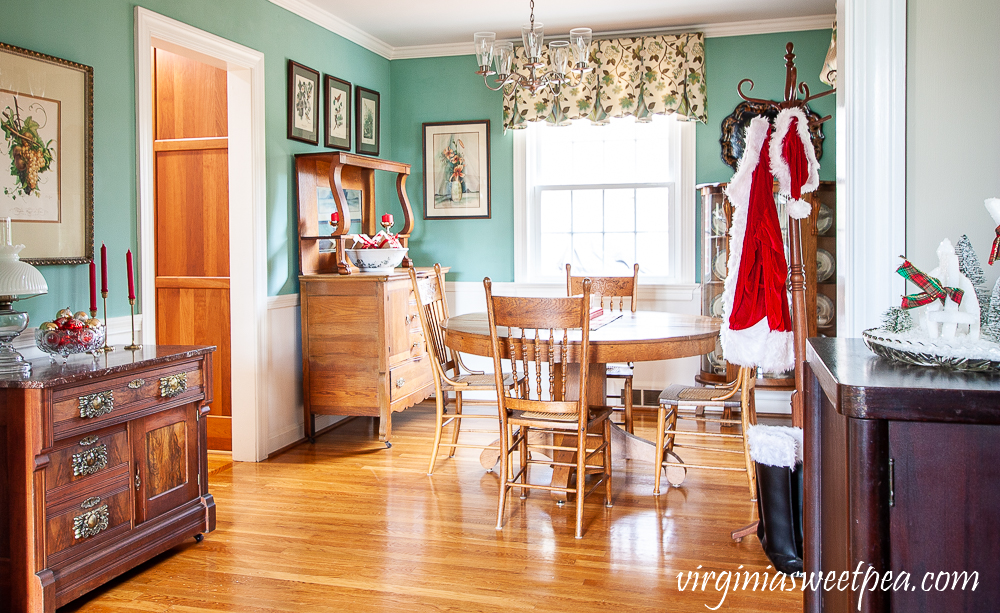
x=102 y=467
x=902 y=464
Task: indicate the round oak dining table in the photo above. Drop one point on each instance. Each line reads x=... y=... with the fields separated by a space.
x=634 y=337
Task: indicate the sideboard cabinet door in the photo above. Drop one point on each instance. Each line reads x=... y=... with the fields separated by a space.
x=166 y=461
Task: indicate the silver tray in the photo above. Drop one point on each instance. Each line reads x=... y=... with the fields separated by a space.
x=923 y=354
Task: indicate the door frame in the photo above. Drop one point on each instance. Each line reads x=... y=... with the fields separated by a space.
x=247 y=184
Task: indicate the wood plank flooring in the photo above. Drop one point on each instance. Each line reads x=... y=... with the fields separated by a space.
x=347 y=525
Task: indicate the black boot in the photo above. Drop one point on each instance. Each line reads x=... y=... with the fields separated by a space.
x=779 y=506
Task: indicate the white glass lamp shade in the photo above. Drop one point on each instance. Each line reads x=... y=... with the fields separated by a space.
x=533 y=37
x=503 y=55
x=483 y=42
x=559 y=56
x=18 y=278
x=579 y=41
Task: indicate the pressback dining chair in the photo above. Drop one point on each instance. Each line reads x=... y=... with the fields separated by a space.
x=551 y=398
x=450 y=374
x=609 y=288
x=738 y=394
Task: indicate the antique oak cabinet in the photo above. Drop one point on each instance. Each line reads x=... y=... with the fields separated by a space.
x=901 y=469
x=103 y=467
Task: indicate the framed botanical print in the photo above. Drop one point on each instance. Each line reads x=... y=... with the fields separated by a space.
x=336 y=113
x=47 y=151
x=457 y=170
x=303 y=103
x=367 y=120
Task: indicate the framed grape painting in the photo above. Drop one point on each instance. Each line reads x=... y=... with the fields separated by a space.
x=47 y=155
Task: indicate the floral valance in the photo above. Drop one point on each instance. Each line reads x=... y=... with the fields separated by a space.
x=640 y=76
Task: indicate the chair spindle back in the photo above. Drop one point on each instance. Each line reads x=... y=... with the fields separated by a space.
x=433 y=307
x=608 y=287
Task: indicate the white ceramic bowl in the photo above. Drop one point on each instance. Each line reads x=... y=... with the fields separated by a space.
x=376 y=260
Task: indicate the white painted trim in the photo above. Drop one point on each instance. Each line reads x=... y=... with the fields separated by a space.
x=248 y=190
x=647 y=293
x=325 y=19
x=520 y=205
x=329 y=21
x=284 y=301
x=871 y=160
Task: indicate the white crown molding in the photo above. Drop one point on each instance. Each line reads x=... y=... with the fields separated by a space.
x=325 y=19
x=331 y=22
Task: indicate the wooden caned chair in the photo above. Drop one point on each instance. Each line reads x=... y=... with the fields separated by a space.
x=739 y=393
x=447 y=367
x=610 y=288
x=536 y=344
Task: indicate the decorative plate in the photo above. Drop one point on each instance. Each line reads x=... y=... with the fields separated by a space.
x=824 y=265
x=825 y=310
x=717 y=364
x=824 y=219
x=716 y=309
x=930 y=353
x=719 y=221
x=719 y=265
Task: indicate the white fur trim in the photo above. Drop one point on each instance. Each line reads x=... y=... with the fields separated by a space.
x=779 y=166
x=757 y=345
x=775 y=445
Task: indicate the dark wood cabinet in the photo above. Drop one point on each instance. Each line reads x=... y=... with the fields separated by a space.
x=902 y=465
x=104 y=467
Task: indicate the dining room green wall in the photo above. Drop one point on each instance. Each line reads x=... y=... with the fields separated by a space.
x=447 y=89
x=100 y=33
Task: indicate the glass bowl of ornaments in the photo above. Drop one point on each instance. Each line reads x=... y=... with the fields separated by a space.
x=69 y=334
x=381 y=253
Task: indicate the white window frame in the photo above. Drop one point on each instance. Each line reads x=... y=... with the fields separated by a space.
x=527 y=235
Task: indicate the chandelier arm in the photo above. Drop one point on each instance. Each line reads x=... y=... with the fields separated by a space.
x=512 y=79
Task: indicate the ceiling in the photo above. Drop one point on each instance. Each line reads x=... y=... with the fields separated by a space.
x=408 y=23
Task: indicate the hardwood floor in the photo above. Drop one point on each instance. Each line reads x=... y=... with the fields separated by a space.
x=347 y=525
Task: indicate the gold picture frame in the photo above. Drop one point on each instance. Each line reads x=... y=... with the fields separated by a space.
x=47 y=151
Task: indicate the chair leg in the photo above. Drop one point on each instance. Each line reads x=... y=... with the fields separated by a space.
x=607 y=463
x=522 y=452
x=458 y=423
x=581 y=478
x=439 y=404
x=748 y=417
x=628 y=405
x=504 y=476
x=658 y=462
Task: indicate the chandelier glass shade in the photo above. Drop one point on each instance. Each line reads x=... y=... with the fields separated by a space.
x=568 y=60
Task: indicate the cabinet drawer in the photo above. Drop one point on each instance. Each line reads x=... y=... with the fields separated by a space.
x=408 y=378
x=86 y=520
x=93 y=456
x=94 y=404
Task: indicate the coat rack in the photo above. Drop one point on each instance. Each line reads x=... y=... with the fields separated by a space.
x=798 y=278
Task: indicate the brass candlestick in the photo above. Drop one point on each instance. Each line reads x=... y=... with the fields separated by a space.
x=133 y=346
x=106 y=348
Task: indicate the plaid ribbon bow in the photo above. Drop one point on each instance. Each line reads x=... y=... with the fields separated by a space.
x=932 y=288
x=995 y=251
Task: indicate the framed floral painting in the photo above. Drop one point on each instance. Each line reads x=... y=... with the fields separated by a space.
x=303 y=103
x=337 y=113
x=457 y=170
x=47 y=151
x=367 y=121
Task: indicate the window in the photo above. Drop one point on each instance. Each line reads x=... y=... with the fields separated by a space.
x=605 y=197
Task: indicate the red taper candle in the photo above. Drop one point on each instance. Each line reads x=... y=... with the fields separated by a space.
x=93 y=286
x=387 y=218
x=131 y=282
x=104 y=269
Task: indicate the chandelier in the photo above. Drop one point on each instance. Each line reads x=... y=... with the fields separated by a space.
x=561 y=54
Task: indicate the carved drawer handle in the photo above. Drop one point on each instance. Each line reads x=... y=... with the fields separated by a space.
x=97 y=404
x=90 y=461
x=88 y=440
x=400 y=382
x=136 y=383
x=92 y=522
x=173 y=385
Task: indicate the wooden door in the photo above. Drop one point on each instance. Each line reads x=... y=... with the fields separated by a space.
x=165 y=447
x=192 y=219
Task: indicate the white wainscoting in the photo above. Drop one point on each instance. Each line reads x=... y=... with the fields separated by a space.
x=285 y=423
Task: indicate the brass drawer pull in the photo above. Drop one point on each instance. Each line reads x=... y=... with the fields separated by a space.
x=173 y=385
x=97 y=404
x=136 y=383
x=90 y=461
x=93 y=521
x=88 y=440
